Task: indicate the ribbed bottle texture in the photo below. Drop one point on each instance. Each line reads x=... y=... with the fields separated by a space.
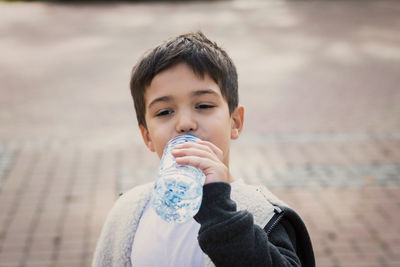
x=178 y=190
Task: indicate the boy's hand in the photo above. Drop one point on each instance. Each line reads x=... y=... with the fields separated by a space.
x=205 y=156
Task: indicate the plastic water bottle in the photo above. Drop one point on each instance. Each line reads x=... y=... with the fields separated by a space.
x=178 y=190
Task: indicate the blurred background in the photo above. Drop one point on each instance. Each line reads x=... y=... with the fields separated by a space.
x=319 y=81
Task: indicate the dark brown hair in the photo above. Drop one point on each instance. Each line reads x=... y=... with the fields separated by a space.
x=199 y=53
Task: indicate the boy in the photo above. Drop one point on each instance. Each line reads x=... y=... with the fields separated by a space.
x=189 y=85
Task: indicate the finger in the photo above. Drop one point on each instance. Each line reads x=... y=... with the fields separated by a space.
x=205 y=145
x=216 y=150
x=193 y=151
x=195 y=161
x=214 y=171
x=199 y=146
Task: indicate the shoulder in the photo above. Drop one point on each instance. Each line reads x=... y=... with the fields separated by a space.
x=256 y=199
x=117 y=233
x=258 y=192
x=136 y=193
x=266 y=207
x=269 y=211
x=130 y=203
x=297 y=230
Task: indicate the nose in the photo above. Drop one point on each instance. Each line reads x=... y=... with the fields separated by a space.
x=186 y=123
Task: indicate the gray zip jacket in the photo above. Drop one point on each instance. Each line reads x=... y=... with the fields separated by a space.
x=115 y=243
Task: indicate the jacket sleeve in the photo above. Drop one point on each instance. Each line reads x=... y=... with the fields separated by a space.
x=230 y=237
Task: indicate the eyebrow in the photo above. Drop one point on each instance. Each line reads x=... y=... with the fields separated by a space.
x=204 y=92
x=159 y=99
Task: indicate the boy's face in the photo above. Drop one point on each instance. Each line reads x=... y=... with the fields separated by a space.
x=179 y=102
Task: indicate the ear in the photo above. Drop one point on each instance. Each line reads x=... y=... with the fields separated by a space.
x=237 y=119
x=146 y=138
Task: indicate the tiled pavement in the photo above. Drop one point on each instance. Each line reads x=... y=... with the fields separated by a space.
x=319 y=81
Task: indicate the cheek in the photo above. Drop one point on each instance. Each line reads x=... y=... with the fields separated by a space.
x=158 y=138
x=159 y=146
x=220 y=133
x=162 y=141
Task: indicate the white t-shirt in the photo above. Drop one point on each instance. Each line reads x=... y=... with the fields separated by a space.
x=160 y=243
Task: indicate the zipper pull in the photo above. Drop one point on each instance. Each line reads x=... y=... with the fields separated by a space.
x=277 y=210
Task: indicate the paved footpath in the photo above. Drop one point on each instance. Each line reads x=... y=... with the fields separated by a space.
x=319 y=80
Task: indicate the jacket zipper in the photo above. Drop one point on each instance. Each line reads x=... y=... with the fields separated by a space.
x=280 y=213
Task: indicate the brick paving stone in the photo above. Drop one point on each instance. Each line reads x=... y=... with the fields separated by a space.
x=40 y=256
x=39 y=263
x=9 y=264
x=12 y=257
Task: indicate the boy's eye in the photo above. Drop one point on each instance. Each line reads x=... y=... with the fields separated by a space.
x=204 y=106
x=164 y=112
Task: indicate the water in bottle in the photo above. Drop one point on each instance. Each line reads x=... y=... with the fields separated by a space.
x=178 y=190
